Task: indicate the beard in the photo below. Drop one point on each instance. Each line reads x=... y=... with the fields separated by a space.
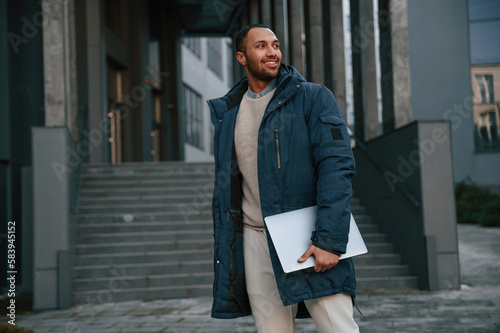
x=262 y=74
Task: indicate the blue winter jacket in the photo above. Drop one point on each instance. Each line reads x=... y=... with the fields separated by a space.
x=304 y=159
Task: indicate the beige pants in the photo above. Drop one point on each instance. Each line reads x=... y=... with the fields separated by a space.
x=331 y=314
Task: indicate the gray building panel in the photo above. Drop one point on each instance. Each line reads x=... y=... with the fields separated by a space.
x=440 y=72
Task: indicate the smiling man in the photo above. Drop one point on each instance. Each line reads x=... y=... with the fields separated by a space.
x=280 y=144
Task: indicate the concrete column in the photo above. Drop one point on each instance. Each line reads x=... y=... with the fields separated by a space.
x=314 y=39
x=59 y=48
x=296 y=29
x=395 y=64
x=54 y=163
x=401 y=62
x=364 y=69
x=337 y=53
x=266 y=12
x=96 y=81
x=280 y=26
x=254 y=11
x=170 y=59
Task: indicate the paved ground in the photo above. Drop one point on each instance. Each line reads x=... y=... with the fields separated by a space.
x=473 y=308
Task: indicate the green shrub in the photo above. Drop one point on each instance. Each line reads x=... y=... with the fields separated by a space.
x=8 y=328
x=490 y=215
x=476 y=205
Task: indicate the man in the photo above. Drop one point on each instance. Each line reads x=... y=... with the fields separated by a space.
x=280 y=144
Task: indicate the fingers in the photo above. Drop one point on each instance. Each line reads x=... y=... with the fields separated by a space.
x=306 y=255
x=325 y=261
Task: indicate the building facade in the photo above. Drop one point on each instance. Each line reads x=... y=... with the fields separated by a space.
x=207 y=72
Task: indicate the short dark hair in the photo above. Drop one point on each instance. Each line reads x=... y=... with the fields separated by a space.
x=242 y=34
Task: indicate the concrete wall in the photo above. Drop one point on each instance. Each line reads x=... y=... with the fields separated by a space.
x=418 y=158
x=440 y=73
x=54 y=226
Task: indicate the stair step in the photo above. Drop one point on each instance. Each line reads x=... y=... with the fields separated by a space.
x=362 y=218
x=166 y=175
x=368 y=228
x=188 y=216
x=144 y=236
x=193 y=206
x=377 y=259
x=145 y=294
x=151 y=198
x=138 y=183
x=394 y=282
x=146 y=167
x=143 y=257
x=358 y=210
x=143 y=269
x=381 y=271
x=375 y=237
x=144 y=281
x=120 y=227
x=149 y=246
x=145 y=190
x=377 y=248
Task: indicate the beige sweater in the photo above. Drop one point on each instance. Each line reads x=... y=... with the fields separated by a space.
x=246 y=143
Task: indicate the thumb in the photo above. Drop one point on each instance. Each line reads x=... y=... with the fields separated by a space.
x=306 y=255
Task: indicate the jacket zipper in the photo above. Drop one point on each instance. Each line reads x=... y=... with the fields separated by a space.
x=277 y=142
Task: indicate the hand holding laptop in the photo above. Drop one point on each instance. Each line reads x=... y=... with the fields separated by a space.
x=291 y=232
x=323 y=260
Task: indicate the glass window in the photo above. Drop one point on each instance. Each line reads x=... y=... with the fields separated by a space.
x=214 y=55
x=194 y=117
x=193 y=43
x=487 y=131
x=485 y=85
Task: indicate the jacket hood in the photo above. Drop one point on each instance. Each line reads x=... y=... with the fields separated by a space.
x=287 y=75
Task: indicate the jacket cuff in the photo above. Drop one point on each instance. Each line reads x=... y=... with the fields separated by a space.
x=315 y=240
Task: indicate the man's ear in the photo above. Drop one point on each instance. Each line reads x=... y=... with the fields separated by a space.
x=240 y=56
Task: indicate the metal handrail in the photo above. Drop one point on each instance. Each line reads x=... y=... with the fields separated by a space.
x=383 y=169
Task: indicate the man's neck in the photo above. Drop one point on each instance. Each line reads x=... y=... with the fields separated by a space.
x=258 y=86
x=255 y=95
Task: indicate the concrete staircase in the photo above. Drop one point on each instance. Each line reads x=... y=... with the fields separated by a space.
x=145 y=232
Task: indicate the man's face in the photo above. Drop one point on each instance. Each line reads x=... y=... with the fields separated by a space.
x=262 y=57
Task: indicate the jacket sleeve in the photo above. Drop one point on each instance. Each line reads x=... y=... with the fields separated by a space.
x=334 y=162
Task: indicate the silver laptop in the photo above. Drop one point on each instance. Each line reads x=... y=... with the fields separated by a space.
x=291 y=233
